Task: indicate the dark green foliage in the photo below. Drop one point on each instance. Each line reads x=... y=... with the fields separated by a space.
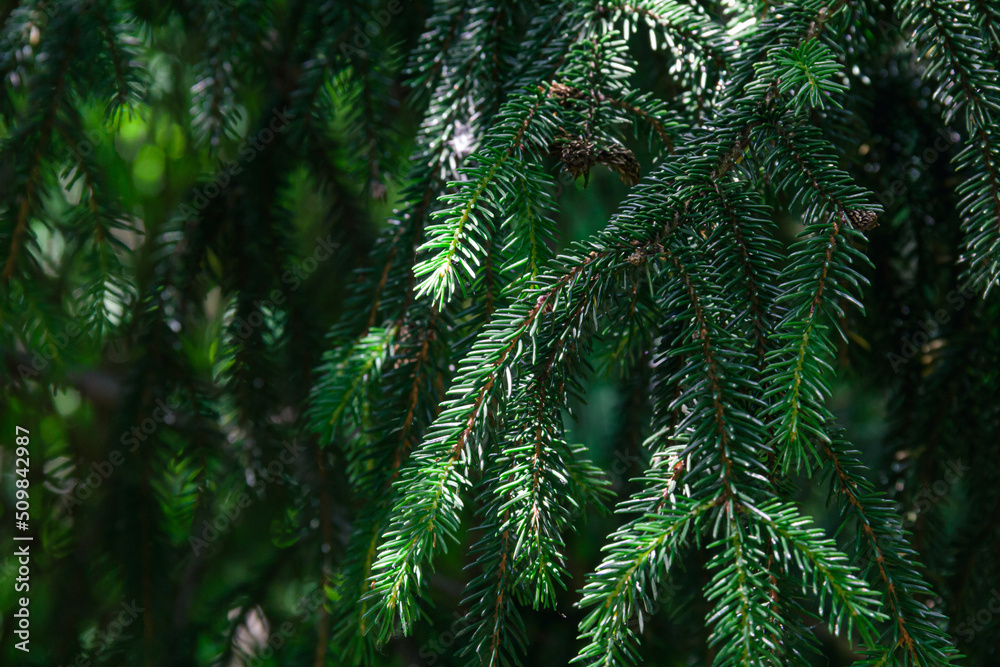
x=350 y=261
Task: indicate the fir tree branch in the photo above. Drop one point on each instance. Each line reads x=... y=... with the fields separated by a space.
x=459 y=240
x=639 y=555
x=50 y=106
x=950 y=43
x=815 y=284
x=916 y=629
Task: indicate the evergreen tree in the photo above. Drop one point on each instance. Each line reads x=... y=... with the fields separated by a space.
x=297 y=310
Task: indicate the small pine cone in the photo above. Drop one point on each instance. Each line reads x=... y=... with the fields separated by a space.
x=863 y=220
x=565 y=93
x=622 y=161
x=577 y=156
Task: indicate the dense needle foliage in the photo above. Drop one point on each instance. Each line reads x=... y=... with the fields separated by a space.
x=494 y=332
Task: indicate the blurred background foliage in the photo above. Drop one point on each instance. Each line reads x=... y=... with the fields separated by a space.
x=105 y=149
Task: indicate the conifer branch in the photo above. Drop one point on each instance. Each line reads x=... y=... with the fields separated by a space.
x=49 y=105
x=639 y=555
x=815 y=284
x=916 y=631
x=471 y=314
x=950 y=43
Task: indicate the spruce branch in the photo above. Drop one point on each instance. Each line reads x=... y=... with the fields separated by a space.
x=818 y=279
x=950 y=42
x=915 y=635
x=458 y=242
